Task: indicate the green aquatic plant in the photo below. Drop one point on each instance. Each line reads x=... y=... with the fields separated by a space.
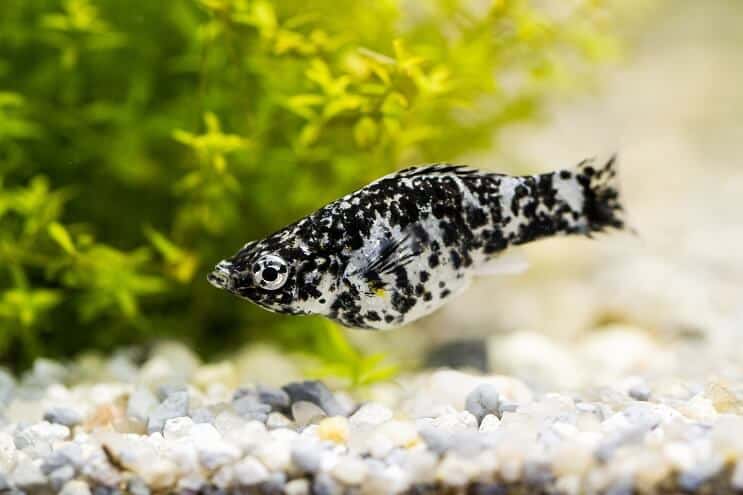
x=139 y=144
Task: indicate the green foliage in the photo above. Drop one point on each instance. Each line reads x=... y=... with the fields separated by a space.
x=141 y=142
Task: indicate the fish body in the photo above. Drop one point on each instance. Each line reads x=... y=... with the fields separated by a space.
x=401 y=247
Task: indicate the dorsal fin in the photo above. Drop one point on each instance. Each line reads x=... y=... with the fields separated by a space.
x=438 y=169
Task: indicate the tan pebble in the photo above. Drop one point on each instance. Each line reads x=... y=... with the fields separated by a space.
x=334 y=429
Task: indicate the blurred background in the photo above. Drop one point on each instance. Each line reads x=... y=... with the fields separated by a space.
x=139 y=146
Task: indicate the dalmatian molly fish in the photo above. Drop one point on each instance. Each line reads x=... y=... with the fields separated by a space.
x=401 y=247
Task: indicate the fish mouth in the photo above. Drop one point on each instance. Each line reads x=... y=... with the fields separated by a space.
x=221 y=277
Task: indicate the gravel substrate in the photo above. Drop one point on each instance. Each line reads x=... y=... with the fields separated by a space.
x=172 y=425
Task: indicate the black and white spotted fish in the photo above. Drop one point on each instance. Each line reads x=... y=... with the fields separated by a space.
x=399 y=248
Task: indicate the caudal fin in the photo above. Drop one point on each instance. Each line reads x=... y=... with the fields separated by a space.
x=602 y=205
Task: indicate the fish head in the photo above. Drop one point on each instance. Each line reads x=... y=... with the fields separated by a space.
x=276 y=275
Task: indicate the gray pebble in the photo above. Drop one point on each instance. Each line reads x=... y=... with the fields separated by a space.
x=164 y=391
x=60 y=458
x=488 y=489
x=317 y=393
x=7 y=387
x=60 y=476
x=274 y=397
x=106 y=490
x=274 y=485
x=249 y=407
x=436 y=440
x=323 y=484
x=483 y=400
x=537 y=474
x=640 y=392
x=4 y=485
x=28 y=476
x=621 y=487
x=242 y=392
x=63 y=416
x=504 y=407
x=137 y=486
x=174 y=406
x=202 y=415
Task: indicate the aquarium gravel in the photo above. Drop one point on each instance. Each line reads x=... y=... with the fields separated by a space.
x=166 y=423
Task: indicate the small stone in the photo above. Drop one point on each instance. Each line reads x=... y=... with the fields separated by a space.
x=218 y=373
x=140 y=403
x=8 y=453
x=306 y=456
x=436 y=440
x=483 y=400
x=28 y=476
x=450 y=422
x=4 y=485
x=489 y=423
x=202 y=415
x=63 y=416
x=75 y=487
x=456 y=471
x=60 y=476
x=639 y=391
x=137 y=486
x=275 y=455
x=176 y=428
x=7 y=388
x=175 y=405
x=317 y=393
x=250 y=472
x=277 y=420
x=350 y=471
x=277 y=398
x=37 y=439
x=305 y=412
x=323 y=484
x=537 y=474
x=45 y=372
x=66 y=454
x=249 y=407
x=736 y=480
x=371 y=414
x=334 y=429
x=299 y=486
x=274 y=485
x=212 y=449
x=167 y=389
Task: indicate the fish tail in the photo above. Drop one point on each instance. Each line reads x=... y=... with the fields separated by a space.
x=602 y=206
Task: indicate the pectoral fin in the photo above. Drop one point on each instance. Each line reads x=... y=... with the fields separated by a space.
x=511 y=262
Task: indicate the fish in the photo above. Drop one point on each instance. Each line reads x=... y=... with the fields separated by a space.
x=401 y=247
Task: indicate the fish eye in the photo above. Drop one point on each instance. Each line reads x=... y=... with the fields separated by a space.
x=270 y=272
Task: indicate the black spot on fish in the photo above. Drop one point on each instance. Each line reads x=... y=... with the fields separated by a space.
x=402 y=303
x=456 y=260
x=372 y=316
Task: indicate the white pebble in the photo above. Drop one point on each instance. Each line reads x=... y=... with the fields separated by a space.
x=177 y=428
x=250 y=471
x=299 y=486
x=305 y=412
x=490 y=422
x=8 y=453
x=371 y=414
x=350 y=471
x=75 y=487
